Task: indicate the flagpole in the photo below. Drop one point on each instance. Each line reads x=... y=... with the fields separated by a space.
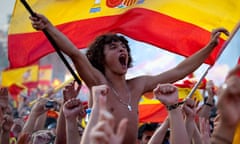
x=218 y=55
x=54 y=44
x=198 y=83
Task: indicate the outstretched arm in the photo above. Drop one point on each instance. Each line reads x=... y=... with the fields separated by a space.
x=72 y=108
x=69 y=92
x=37 y=110
x=86 y=71
x=187 y=66
x=93 y=119
x=189 y=109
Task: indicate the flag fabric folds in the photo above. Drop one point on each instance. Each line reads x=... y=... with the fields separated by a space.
x=182 y=27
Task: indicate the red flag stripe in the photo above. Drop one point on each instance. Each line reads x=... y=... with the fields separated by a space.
x=152 y=113
x=176 y=36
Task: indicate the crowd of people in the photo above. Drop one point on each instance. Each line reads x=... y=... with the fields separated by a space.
x=113 y=101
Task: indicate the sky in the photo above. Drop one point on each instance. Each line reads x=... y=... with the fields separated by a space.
x=6 y=7
x=158 y=60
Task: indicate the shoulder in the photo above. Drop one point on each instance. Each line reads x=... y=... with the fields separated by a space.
x=137 y=82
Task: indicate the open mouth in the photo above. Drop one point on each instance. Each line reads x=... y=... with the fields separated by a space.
x=122 y=60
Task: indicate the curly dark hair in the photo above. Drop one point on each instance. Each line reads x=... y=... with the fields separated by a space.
x=95 y=53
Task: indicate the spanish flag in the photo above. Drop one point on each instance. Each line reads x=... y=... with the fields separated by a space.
x=152 y=110
x=45 y=75
x=20 y=76
x=182 y=27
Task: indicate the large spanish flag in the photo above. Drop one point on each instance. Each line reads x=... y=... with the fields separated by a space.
x=182 y=27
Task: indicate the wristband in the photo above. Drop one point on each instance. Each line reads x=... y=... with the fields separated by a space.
x=171 y=107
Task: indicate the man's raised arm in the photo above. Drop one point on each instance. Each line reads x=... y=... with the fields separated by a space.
x=86 y=71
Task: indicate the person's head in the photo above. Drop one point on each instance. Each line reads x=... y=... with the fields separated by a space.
x=146 y=131
x=98 y=51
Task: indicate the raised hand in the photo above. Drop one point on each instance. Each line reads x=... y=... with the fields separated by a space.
x=210 y=88
x=189 y=108
x=70 y=91
x=7 y=123
x=103 y=132
x=72 y=108
x=97 y=91
x=216 y=34
x=166 y=93
x=39 y=107
x=40 y=22
x=204 y=130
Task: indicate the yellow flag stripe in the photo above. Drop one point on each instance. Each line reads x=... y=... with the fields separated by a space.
x=203 y=13
x=20 y=75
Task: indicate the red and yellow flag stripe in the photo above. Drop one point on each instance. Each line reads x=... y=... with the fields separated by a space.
x=182 y=27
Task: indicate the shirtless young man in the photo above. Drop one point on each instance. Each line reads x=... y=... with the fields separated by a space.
x=107 y=62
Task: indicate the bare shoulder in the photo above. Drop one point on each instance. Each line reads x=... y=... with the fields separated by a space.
x=137 y=79
x=149 y=82
x=138 y=82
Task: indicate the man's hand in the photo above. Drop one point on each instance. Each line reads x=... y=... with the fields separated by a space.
x=97 y=91
x=189 y=108
x=39 y=107
x=166 y=93
x=7 y=123
x=40 y=22
x=210 y=88
x=70 y=91
x=72 y=108
x=204 y=130
x=216 y=34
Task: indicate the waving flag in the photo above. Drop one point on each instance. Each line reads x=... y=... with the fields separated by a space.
x=45 y=75
x=20 y=76
x=182 y=27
